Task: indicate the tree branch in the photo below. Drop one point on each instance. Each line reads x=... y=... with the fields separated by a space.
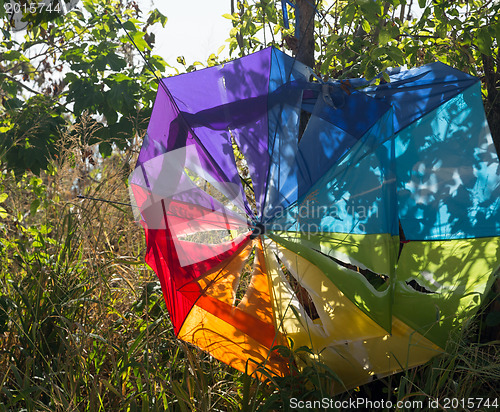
x=13 y=79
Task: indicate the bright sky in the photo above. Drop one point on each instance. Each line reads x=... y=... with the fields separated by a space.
x=195 y=28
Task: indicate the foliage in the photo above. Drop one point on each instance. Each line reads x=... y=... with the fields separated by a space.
x=364 y=37
x=71 y=64
x=82 y=320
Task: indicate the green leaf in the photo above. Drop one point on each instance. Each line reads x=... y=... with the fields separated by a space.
x=366 y=26
x=182 y=397
x=85 y=94
x=384 y=36
x=370 y=72
x=101 y=134
x=421 y=3
x=129 y=26
x=378 y=52
x=109 y=113
x=34 y=206
x=68 y=35
x=115 y=62
x=12 y=104
x=120 y=77
x=137 y=39
x=105 y=149
x=484 y=41
x=393 y=30
x=230 y=17
x=13 y=55
x=31 y=156
x=122 y=95
x=158 y=63
x=347 y=14
x=442 y=30
x=121 y=131
x=155 y=16
x=326 y=63
x=396 y=54
x=3 y=197
x=371 y=10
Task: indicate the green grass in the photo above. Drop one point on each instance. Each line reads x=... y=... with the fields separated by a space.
x=83 y=325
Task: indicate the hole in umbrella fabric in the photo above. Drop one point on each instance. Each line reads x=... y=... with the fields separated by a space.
x=378 y=281
x=244 y=174
x=245 y=278
x=301 y=293
x=211 y=190
x=418 y=287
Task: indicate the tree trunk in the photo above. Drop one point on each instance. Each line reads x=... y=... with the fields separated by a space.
x=306 y=11
x=492 y=108
x=305 y=51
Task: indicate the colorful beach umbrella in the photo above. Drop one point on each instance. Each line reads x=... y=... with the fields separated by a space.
x=366 y=230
